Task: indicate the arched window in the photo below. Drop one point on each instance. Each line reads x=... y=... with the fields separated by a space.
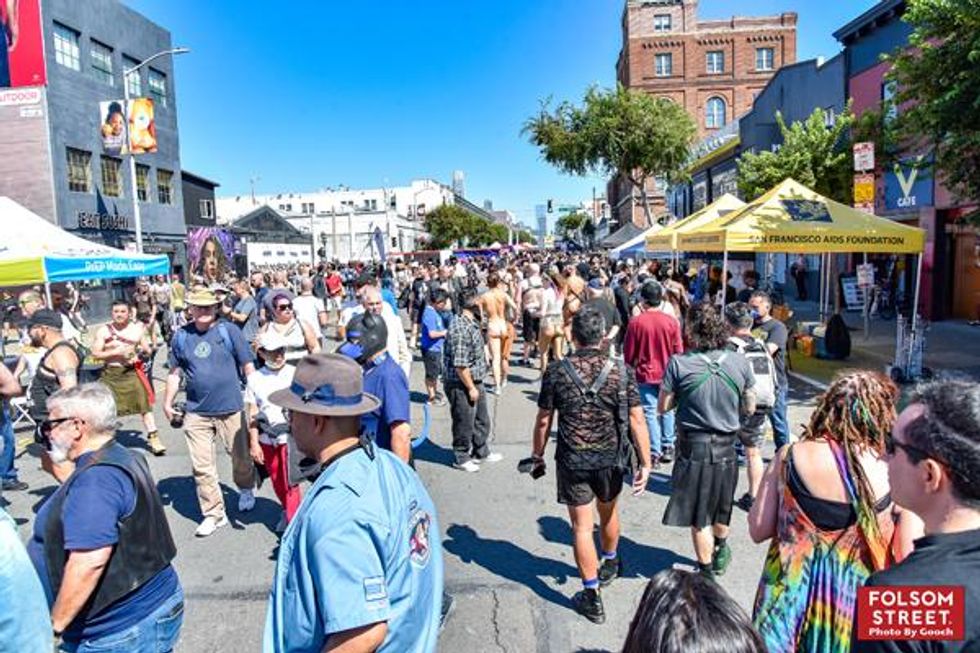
x=714 y=113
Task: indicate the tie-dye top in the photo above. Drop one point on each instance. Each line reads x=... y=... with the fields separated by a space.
x=806 y=597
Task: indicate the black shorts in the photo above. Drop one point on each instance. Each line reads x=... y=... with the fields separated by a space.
x=433 y=365
x=577 y=487
x=530 y=327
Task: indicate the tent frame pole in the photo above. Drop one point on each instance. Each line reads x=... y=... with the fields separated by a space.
x=47 y=292
x=915 y=313
x=724 y=277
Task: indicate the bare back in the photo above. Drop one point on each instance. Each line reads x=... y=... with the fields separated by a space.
x=815 y=464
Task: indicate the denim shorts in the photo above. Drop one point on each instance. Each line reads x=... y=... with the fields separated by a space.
x=156 y=633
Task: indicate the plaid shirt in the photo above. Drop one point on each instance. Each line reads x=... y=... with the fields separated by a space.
x=464 y=348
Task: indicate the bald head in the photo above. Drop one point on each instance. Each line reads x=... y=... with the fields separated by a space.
x=306 y=285
x=371 y=299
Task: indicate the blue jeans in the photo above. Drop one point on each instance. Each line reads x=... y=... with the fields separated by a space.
x=661 y=427
x=156 y=633
x=9 y=445
x=778 y=419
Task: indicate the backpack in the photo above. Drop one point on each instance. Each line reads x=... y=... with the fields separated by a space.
x=627 y=457
x=714 y=370
x=180 y=340
x=763 y=368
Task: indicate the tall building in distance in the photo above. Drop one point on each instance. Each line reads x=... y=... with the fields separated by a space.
x=713 y=68
x=459 y=183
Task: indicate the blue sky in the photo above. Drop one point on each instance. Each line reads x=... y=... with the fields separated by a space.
x=313 y=93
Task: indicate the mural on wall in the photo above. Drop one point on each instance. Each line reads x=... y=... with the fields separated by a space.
x=210 y=253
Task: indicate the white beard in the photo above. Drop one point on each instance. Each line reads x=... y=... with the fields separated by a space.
x=58 y=453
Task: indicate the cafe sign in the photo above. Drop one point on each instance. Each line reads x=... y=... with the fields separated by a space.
x=908 y=185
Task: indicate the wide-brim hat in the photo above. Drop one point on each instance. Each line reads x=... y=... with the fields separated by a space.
x=327 y=384
x=202 y=297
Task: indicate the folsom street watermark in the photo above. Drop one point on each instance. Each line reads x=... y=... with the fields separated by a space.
x=906 y=613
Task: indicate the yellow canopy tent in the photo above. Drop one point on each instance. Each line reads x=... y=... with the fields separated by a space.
x=793 y=218
x=666 y=239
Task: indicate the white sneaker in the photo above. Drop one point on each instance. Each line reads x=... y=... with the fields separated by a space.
x=493 y=457
x=246 y=500
x=281 y=524
x=210 y=525
x=468 y=466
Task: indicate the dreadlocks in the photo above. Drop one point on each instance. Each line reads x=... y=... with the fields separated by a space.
x=857 y=411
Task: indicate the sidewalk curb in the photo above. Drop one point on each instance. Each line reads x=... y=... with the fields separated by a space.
x=810 y=381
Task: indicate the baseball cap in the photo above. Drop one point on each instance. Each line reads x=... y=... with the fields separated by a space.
x=272 y=340
x=595 y=283
x=45 y=317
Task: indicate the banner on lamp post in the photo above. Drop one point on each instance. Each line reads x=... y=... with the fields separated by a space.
x=112 y=127
x=142 y=126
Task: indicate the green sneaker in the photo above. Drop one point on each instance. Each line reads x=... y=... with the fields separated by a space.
x=721 y=558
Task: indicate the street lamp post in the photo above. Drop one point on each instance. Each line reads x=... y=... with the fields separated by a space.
x=137 y=219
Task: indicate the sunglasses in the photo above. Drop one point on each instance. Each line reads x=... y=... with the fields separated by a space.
x=284 y=307
x=49 y=425
x=892 y=445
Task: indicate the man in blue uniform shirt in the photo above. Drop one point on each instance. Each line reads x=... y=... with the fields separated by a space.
x=361 y=563
x=389 y=424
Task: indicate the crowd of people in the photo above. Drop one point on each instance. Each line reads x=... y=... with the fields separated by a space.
x=302 y=375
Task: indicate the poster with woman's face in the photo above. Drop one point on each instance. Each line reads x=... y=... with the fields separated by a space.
x=112 y=127
x=210 y=251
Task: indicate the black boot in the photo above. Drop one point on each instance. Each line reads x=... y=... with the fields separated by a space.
x=588 y=603
x=610 y=570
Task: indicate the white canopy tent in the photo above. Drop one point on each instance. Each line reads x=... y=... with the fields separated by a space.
x=635 y=247
x=34 y=251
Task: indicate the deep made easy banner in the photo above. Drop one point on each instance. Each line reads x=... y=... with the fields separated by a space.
x=104 y=267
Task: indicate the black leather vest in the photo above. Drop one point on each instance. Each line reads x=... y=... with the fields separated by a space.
x=145 y=545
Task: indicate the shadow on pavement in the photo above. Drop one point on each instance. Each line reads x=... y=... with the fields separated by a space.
x=658 y=483
x=431 y=452
x=507 y=560
x=639 y=560
x=418 y=397
x=180 y=493
x=133 y=440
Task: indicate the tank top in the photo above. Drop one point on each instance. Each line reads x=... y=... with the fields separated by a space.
x=46 y=382
x=295 y=340
x=808 y=591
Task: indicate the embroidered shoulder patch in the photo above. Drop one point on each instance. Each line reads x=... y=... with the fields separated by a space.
x=418 y=542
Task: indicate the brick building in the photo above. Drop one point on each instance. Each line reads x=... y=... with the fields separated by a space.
x=714 y=68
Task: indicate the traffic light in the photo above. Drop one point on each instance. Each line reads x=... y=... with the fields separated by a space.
x=551 y=206
x=322 y=252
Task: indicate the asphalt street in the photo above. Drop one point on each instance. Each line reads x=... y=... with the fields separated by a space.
x=507 y=541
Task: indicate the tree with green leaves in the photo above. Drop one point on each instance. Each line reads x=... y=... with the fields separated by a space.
x=570 y=225
x=447 y=224
x=616 y=132
x=450 y=225
x=524 y=236
x=938 y=96
x=817 y=156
